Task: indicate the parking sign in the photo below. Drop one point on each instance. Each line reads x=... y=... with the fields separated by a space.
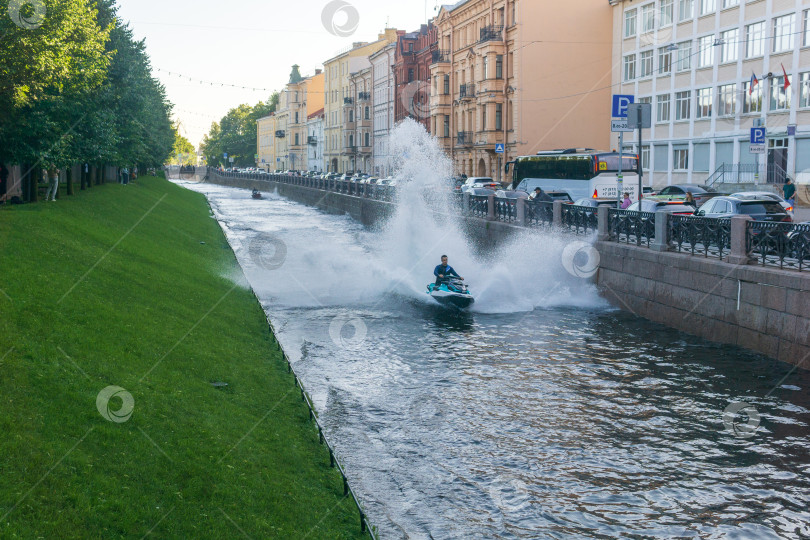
x=620 y=104
x=758 y=135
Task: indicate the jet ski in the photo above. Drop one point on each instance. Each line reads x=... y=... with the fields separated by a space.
x=451 y=292
x=256 y=194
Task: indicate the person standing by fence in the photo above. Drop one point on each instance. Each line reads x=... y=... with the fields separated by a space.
x=53 y=183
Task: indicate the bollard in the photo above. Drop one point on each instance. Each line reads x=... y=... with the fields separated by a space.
x=602 y=219
x=491 y=208
x=739 y=248
x=466 y=199
x=661 y=242
x=521 y=212
x=558 y=213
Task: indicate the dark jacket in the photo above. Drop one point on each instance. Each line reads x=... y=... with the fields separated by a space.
x=444 y=270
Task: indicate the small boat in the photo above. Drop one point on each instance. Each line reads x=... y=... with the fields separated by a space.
x=451 y=292
x=256 y=194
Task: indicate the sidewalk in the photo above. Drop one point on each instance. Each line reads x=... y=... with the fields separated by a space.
x=801 y=214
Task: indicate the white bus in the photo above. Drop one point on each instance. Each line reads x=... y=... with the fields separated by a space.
x=583 y=173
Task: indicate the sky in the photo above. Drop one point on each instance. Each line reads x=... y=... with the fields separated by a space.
x=251 y=43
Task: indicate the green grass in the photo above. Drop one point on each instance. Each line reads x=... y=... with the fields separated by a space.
x=123 y=290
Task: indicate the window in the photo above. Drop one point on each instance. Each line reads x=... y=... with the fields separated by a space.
x=499 y=66
x=665 y=12
x=446 y=84
x=630 y=67
x=704 y=103
x=684 y=56
x=447 y=125
x=680 y=159
x=780 y=99
x=662 y=108
x=296 y=139
x=367 y=112
x=705 y=51
x=685 y=8
x=727 y=100
x=707 y=6
x=630 y=23
x=783 y=33
x=648 y=18
x=410 y=75
x=486 y=67
x=499 y=116
x=296 y=117
x=367 y=138
x=484 y=118
x=806 y=29
x=682 y=102
x=804 y=89
x=664 y=61
x=730 y=3
x=645 y=157
x=752 y=100
x=645 y=64
x=729 y=39
x=755 y=40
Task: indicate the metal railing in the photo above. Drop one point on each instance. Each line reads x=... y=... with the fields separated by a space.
x=348 y=101
x=466 y=91
x=491 y=33
x=580 y=219
x=464 y=138
x=539 y=214
x=700 y=235
x=631 y=227
x=506 y=209
x=439 y=55
x=786 y=245
x=478 y=206
x=734 y=173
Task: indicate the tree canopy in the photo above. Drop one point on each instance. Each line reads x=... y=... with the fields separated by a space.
x=235 y=134
x=77 y=87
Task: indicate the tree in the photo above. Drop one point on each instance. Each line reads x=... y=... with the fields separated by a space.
x=235 y=134
x=183 y=152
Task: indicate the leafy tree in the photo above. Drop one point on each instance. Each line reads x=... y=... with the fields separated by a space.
x=183 y=152
x=235 y=134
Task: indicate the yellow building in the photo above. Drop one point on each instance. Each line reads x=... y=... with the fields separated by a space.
x=265 y=142
x=529 y=74
x=301 y=95
x=339 y=99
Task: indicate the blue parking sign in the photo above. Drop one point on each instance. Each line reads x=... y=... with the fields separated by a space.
x=620 y=104
x=758 y=135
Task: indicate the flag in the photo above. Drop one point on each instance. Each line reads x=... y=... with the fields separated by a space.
x=787 y=82
x=753 y=83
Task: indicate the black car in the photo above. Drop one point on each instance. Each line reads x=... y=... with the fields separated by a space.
x=654 y=205
x=758 y=209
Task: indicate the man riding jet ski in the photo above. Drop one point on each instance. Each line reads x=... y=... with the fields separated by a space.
x=448 y=288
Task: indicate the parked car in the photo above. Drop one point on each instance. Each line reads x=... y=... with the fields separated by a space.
x=481 y=191
x=654 y=205
x=560 y=195
x=511 y=194
x=758 y=209
x=764 y=195
x=679 y=191
x=596 y=203
x=480 y=182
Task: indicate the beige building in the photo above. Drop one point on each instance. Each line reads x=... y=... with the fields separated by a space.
x=359 y=130
x=302 y=94
x=529 y=74
x=265 y=142
x=338 y=99
x=694 y=62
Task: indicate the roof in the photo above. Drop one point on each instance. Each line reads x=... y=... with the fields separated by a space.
x=319 y=112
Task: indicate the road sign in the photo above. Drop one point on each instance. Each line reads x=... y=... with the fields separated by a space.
x=757 y=149
x=262 y=160
x=639 y=115
x=225 y=155
x=230 y=159
x=499 y=149
x=757 y=135
x=617 y=126
x=620 y=104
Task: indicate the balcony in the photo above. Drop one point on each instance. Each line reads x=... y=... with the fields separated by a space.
x=312 y=140
x=440 y=56
x=280 y=133
x=491 y=33
x=466 y=91
x=348 y=101
x=464 y=138
x=364 y=96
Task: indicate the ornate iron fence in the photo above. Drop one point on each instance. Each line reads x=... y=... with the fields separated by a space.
x=786 y=245
x=539 y=214
x=631 y=227
x=478 y=205
x=700 y=235
x=580 y=219
x=506 y=209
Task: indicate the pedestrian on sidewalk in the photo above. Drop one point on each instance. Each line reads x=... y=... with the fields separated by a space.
x=53 y=183
x=626 y=202
x=789 y=189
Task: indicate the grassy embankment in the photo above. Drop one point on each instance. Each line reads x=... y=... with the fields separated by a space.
x=113 y=287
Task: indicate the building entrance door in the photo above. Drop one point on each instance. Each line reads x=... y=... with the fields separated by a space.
x=777 y=160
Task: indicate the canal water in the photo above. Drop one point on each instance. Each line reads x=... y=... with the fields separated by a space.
x=542 y=412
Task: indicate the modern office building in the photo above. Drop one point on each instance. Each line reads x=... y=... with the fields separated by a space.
x=712 y=70
x=530 y=75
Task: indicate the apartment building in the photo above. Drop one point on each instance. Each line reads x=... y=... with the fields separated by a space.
x=413 y=56
x=712 y=70
x=315 y=144
x=338 y=99
x=530 y=75
x=300 y=95
x=359 y=128
x=265 y=142
x=382 y=99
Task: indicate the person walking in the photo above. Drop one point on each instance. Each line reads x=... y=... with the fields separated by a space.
x=626 y=202
x=53 y=183
x=125 y=175
x=789 y=189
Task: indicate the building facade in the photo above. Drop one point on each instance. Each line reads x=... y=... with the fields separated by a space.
x=712 y=70
x=382 y=98
x=315 y=144
x=530 y=75
x=359 y=129
x=338 y=100
x=413 y=56
x=300 y=95
x=265 y=142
